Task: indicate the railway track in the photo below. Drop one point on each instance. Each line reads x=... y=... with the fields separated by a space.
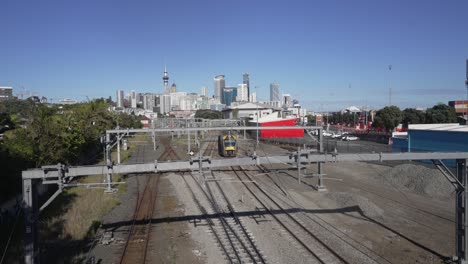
x=169 y=153
x=236 y=242
x=296 y=228
x=136 y=245
x=319 y=223
x=139 y=235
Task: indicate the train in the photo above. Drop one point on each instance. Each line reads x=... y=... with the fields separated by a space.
x=227 y=145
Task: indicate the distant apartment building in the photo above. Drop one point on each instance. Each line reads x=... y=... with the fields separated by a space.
x=6 y=93
x=202 y=103
x=204 y=91
x=253 y=97
x=175 y=100
x=165 y=104
x=217 y=107
x=242 y=93
x=151 y=102
x=246 y=81
x=286 y=100
x=120 y=98
x=276 y=104
x=67 y=101
x=219 y=84
x=274 y=92
x=461 y=106
x=188 y=102
x=134 y=99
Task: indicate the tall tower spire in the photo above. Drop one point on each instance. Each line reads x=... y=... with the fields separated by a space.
x=165 y=79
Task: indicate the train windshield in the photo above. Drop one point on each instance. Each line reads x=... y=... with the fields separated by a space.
x=229 y=143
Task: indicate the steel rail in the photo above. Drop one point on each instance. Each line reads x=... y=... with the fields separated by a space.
x=204 y=212
x=150 y=216
x=135 y=214
x=244 y=231
x=210 y=148
x=327 y=226
x=290 y=217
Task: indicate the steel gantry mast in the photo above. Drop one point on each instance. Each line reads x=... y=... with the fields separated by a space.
x=62 y=176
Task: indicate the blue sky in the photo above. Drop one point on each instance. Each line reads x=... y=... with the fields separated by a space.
x=327 y=54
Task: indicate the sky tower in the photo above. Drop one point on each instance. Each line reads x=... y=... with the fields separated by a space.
x=166 y=80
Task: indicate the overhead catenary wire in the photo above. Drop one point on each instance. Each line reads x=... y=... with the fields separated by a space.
x=18 y=213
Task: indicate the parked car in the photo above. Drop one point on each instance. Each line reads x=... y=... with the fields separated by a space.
x=349 y=138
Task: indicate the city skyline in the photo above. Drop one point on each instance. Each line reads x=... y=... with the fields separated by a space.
x=326 y=55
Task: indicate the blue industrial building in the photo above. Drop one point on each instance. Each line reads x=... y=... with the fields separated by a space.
x=432 y=138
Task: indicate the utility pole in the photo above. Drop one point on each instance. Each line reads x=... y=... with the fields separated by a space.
x=258 y=113
x=466 y=84
x=389 y=86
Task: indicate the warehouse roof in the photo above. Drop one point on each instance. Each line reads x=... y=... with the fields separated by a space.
x=450 y=127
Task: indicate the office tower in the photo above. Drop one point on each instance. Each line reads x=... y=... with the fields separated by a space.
x=204 y=91
x=246 y=81
x=6 y=93
x=173 y=88
x=165 y=103
x=229 y=95
x=274 y=92
x=219 y=84
x=166 y=80
x=242 y=93
x=120 y=98
x=133 y=99
x=287 y=100
x=253 y=97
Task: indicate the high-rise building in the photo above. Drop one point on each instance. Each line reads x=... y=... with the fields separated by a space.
x=173 y=88
x=175 y=100
x=120 y=98
x=229 y=95
x=133 y=99
x=166 y=80
x=274 y=92
x=242 y=93
x=253 y=97
x=287 y=100
x=246 y=81
x=204 y=91
x=165 y=103
x=6 y=93
x=219 y=84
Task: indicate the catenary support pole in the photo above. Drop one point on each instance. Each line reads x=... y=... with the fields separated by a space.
x=188 y=144
x=462 y=212
x=298 y=158
x=31 y=254
x=320 y=185
x=118 y=148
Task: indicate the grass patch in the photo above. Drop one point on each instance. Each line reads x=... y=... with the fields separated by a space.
x=76 y=211
x=75 y=216
x=132 y=143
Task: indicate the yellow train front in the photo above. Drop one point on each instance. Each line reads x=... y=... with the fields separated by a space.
x=227 y=145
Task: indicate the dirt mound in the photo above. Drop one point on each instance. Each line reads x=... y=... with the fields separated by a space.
x=418 y=179
x=343 y=199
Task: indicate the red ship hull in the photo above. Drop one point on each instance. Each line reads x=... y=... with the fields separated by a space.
x=286 y=133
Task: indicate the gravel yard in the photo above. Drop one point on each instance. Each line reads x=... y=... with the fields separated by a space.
x=370 y=213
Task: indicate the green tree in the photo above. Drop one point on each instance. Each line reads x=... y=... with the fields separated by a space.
x=441 y=113
x=127 y=121
x=413 y=116
x=208 y=114
x=388 y=117
x=5 y=120
x=235 y=113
